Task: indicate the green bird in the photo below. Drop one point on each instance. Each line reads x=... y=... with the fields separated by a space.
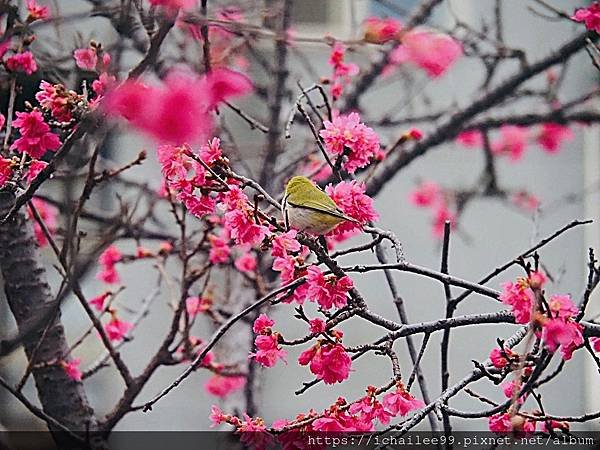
x=306 y=207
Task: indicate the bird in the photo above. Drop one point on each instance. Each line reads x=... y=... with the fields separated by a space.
x=305 y=207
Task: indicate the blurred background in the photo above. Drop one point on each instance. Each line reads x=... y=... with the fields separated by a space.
x=491 y=232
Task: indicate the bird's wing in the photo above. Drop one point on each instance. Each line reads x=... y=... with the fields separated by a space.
x=329 y=208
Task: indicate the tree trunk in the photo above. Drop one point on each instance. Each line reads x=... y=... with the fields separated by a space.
x=29 y=298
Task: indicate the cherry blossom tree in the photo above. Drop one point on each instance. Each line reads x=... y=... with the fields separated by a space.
x=210 y=227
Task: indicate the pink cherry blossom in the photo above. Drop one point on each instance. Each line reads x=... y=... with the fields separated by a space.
x=342 y=71
x=590 y=16
x=262 y=324
x=317 y=325
x=550 y=426
x=222 y=84
x=500 y=423
x=48 y=213
x=400 y=402
x=499 y=357
x=72 y=369
x=552 y=135
x=520 y=298
x=381 y=30
x=470 y=138
x=350 y=197
x=174 y=4
x=243 y=228
x=196 y=305
x=219 y=250
x=35 y=167
x=211 y=152
x=328 y=362
x=426 y=193
x=511 y=142
x=117 y=329
x=562 y=306
x=56 y=99
x=285 y=243
x=246 y=263
x=221 y=386
x=86 y=58
x=177 y=111
x=431 y=51
x=268 y=350
x=6 y=170
x=216 y=416
x=566 y=334
x=99 y=301
x=253 y=433
x=327 y=291
x=103 y=83
x=108 y=260
x=2 y=120
x=512 y=388
x=347 y=135
x=328 y=424
x=36 y=12
x=21 y=62
x=287 y=266
x=595 y=341
x=36 y=138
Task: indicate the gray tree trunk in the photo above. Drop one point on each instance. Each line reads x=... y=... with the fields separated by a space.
x=29 y=298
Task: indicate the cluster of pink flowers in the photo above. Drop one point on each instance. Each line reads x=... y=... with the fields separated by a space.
x=379 y=30
x=173 y=5
x=36 y=138
x=58 y=100
x=186 y=177
x=359 y=416
x=329 y=362
x=92 y=58
x=558 y=322
x=268 y=350
x=503 y=423
x=108 y=260
x=590 y=16
x=512 y=141
x=328 y=291
x=520 y=298
x=178 y=111
x=342 y=71
x=48 y=213
x=428 y=194
x=346 y=135
x=429 y=50
x=288 y=256
x=560 y=328
x=552 y=135
x=21 y=62
x=6 y=170
x=502 y=357
x=350 y=197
